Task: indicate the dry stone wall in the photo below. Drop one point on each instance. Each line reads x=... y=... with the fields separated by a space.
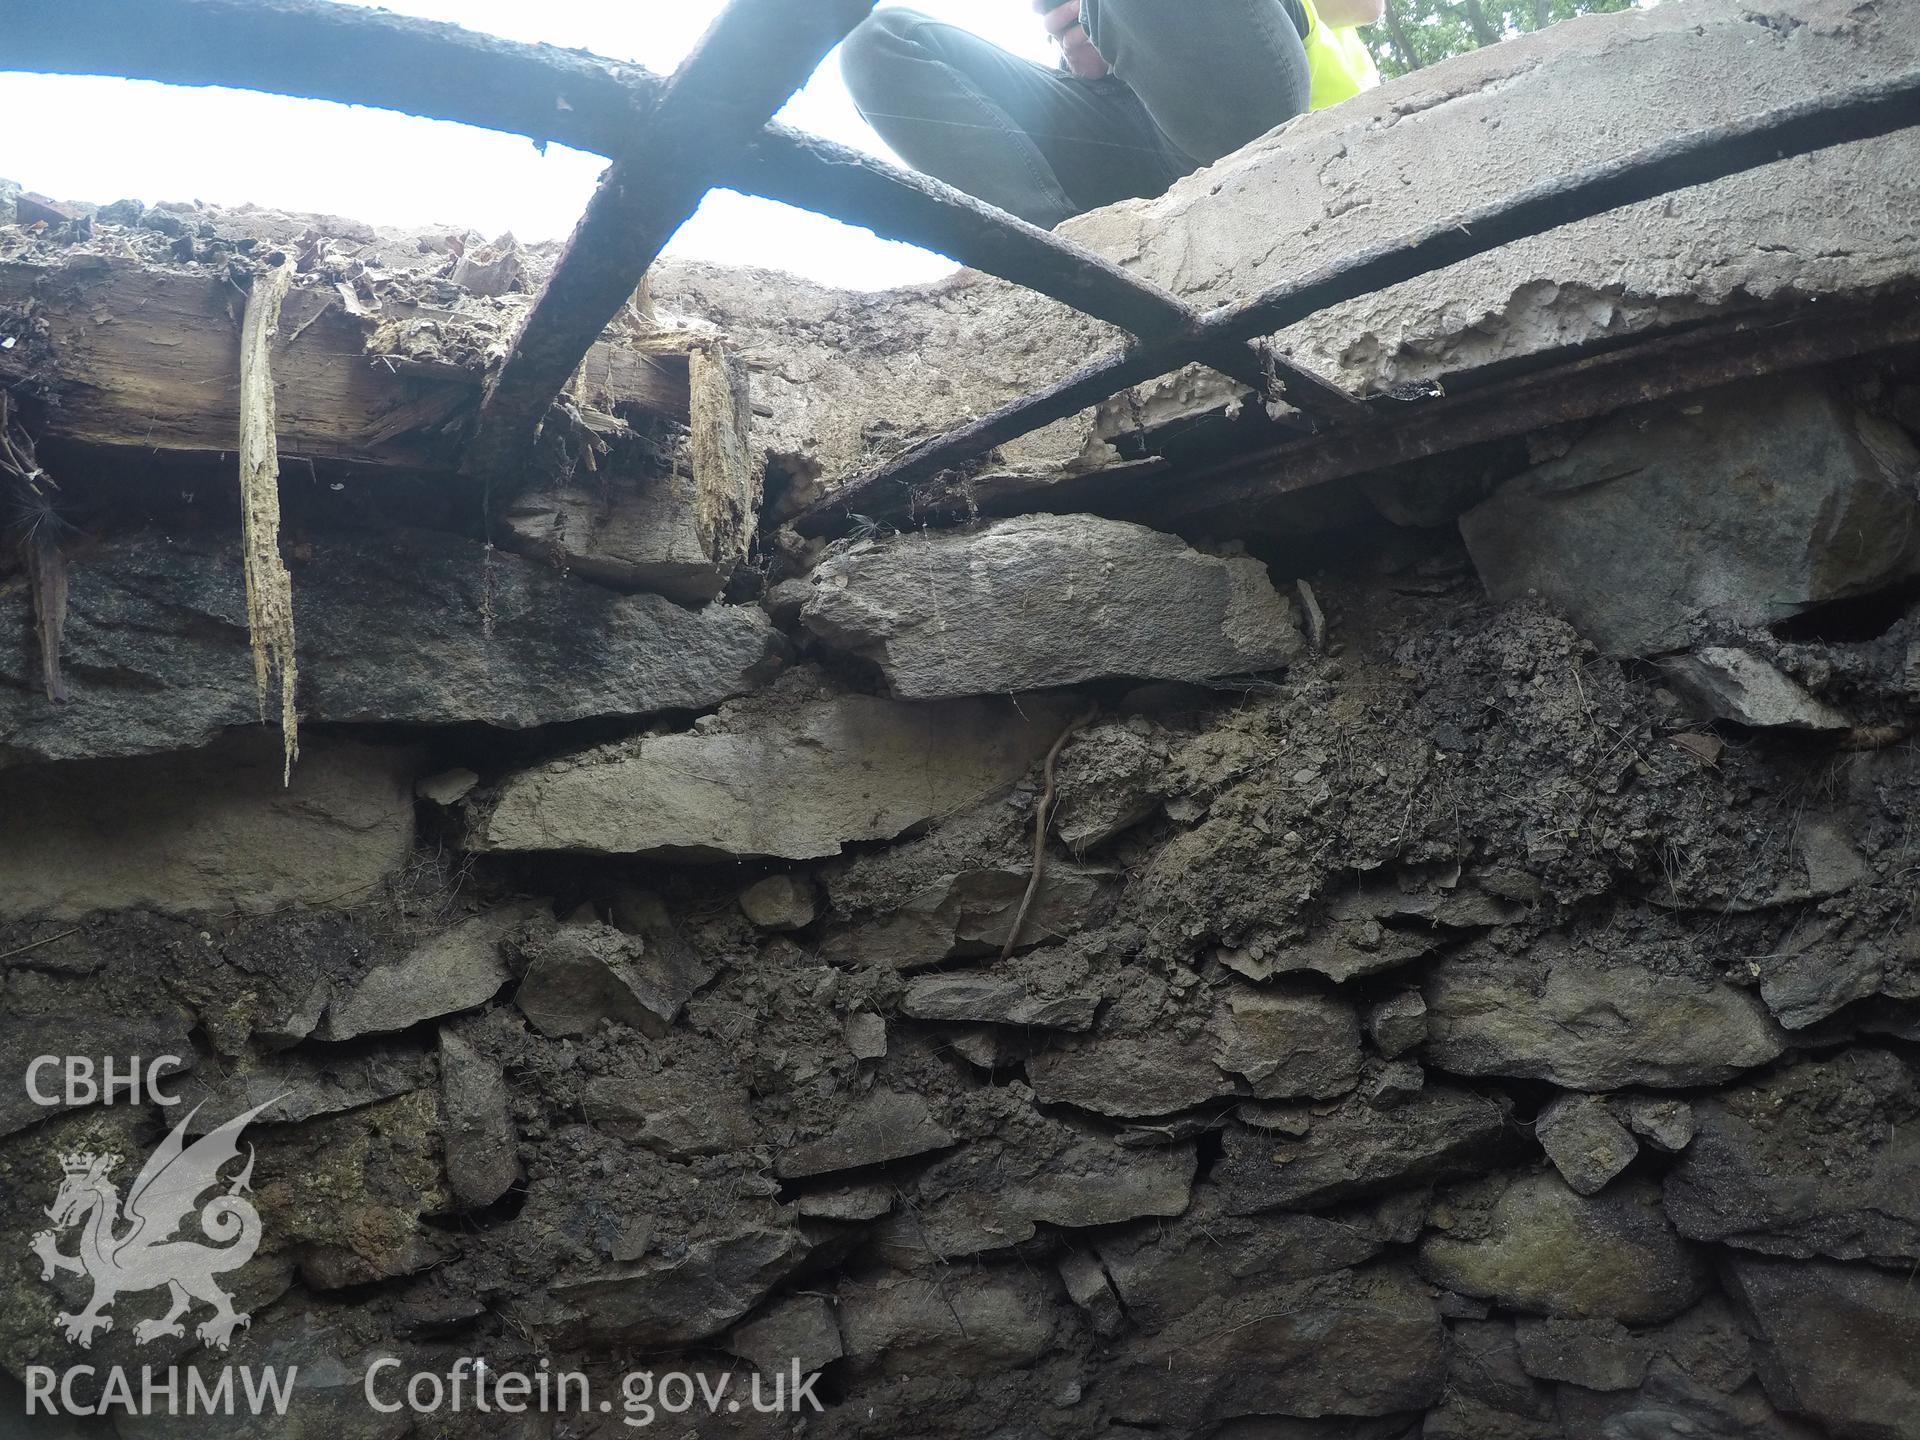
x=1449 y=1026
x=1473 y=996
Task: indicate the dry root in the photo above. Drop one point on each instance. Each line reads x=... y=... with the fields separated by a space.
x=269 y=586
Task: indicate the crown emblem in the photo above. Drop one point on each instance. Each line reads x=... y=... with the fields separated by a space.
x=83 y=1162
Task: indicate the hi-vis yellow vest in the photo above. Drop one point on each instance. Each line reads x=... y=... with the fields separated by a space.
x=1341 y=66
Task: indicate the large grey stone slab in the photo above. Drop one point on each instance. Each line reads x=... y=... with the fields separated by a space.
x=1128 y=1076
x=212 y=831
x=1834 y=1343
x=1590 y=1021
x=1740 y=507
x=1530 y=1243
x=668 y=1300
x=1356 y=1150
x=1047 y=600
x=887 y=1125
x=997 y=1192
x=1163 y=1269
x=1291 y=1042
x=454 y=970
x=1822 y=1158
x=1001 y=1318
x=412 y=627
x=799 y=781
x=1366 y=1342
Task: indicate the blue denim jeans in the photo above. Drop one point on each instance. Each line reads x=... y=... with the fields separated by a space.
x=1192 y=80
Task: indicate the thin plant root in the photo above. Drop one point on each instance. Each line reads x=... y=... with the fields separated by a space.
x=47 y=573
x=1042 y=814
x=269 y=586
x=40 y=529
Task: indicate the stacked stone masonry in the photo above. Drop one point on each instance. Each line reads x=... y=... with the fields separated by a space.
x=1476 y=996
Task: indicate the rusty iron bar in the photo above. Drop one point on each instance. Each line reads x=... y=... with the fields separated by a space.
x=1682 y=364
x=747 y=65
x=813 y=173
x=1673 y=164
x=319 y=50
x=816 y=174
x=1229 y=495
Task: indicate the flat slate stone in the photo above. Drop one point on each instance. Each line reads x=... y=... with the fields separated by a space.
x=883 y=1127
x=1529 y=1243
x=798 y=781
x=1166 y=1268
x=1741 y=507
x=213 y=831
x=407 y=627
x=984 y=1000
x=664 y=1301
x=1590 y=1022
x=1047 y=600
x=1128 y=1076
x=302 y=1085
x=1818 y=1159
x=1291 y=1043
x=997 y=1192
x=455 y=970
x=1004 y=1317
x=1357 y=1150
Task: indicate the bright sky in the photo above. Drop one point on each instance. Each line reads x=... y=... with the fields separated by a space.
x=117 y=138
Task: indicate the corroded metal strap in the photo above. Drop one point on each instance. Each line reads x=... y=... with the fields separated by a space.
x=325 y=51
x=1697 y=158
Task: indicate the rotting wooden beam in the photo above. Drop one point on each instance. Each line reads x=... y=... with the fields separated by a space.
x=1674 y=164
x=269 y=587
x=140 y=357
x=325 y=51
x=1229 y=496
x=747 y=65
x=1658 y=369
x=315 y=49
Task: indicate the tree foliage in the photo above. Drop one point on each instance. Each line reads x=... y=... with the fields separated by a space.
x=1419 y=32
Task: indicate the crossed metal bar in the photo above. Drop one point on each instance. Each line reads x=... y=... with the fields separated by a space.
x=672 y=139
x=1676 y=163
x=740 y=72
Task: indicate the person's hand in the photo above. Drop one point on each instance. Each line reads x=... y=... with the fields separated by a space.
x=1063 y=23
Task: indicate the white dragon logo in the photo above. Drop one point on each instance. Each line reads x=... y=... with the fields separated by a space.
x=145 y=1255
